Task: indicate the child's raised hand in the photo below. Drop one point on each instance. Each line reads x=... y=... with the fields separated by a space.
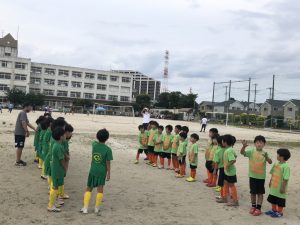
x=244 y=143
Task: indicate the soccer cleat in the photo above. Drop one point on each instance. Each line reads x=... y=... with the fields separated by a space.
x=84 y=211
x=179 y=176
x=233 y=204
x=276 y=215
x=252 y=210
x=97 y=210
x=64 y=197
x=270 y=212
x=136 y=162
x=53 y=209
x=21 y=163
x=257 y=212
x=160 y=167
x=218 y=197
x=218 y=189
x=190 y=179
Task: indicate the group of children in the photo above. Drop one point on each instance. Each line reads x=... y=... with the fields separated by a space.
x=51 y=143
x=220 y=160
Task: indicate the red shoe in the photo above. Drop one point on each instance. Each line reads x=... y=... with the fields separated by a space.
x=205 y=181
x=252 y=210
x=257 y=212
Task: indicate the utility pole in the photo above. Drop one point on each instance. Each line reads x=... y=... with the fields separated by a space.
x=213 y=97
x=226 y=92
x=273 y=85
x=229 y=96
x=270 y=92
x=249 y=90
x=255 y=92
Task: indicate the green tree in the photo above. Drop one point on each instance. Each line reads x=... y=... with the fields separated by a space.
x=142 y=101
x=36 y=99
x=82 y=102
x=15 y=96
x=174 y=99
x=188 y=101
x=163 y=100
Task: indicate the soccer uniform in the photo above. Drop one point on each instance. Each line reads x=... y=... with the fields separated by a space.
x=175 y=144
x=182 y=149
x=167 y=145
x=157 y=147
x=39 y=145
x=230 y=172
x=143 y=142
x=36 y=137
x=257 y=170
x=57 y=169
x=48 y=159
x=101 y=153
x=218 y=158
x=45 y=143
x=193 y=151
x=280 y=172
x=151 y=144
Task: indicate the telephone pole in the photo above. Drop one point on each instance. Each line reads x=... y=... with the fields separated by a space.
x=226 y=92
x=229 y=96
x=273 y=87
x=255 y=92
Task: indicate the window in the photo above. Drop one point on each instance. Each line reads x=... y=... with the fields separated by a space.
x=34 y=80
x=62 y=93
x=89 y=85
x=63 y=73
x=62 y=83
x=113 y=88
x=89 y=75
x=114 y=78
x=265 y=109
x=34 y=90
x=125 y=89
x=49 y=82
x=5 y=76
x=20 y=77
x=101 y=96
x=102 y=77
x=124 y=99
x=21 y=66
x=126 y=79
x=76 y=84
x=101 y=87
x=48 y=92
x=4 y=64
x=75 y=94
x=113 y=98
x=290 y=109
x=76 y=74
x=7 y=54
x=4 y=87
x=21 y=88
x=36 y=70
x=88 y=95
x=49 y=71
x=275 y=109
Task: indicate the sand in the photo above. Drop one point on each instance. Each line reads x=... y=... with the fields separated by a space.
x=136 y=194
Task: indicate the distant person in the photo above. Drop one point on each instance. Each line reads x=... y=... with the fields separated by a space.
x=46 y=109
x=10 y=107
x=204 y=123
x=21 y=132
x=33 y=108
x=1 y=107
x=146 y=117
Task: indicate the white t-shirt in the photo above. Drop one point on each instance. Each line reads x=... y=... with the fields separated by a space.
x=146 y=117
x=204 y=121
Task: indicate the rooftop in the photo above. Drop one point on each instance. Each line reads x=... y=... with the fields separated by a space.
x=8 y=41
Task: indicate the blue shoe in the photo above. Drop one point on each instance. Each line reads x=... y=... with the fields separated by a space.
x=270 y=212
x=276 y=215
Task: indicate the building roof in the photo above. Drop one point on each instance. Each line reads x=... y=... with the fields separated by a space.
x=277 y=103
x=8 y=41
x=226 y=103
x=295 y=102
x=207 y=103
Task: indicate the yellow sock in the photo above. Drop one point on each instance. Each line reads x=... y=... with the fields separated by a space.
x=40 y=163
x=43 y=168
x=99 y=198
x=50 y=182
x=61 y=191
x=52 y=198
x=87 y=198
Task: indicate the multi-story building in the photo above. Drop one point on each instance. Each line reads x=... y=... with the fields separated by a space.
x=142 y=84
x=62 y=84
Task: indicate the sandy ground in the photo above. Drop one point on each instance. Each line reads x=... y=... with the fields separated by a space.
x=136 y=194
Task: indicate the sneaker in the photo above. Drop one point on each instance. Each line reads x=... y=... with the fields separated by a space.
x=276 y=215
x=217 y=189
x=44 y=177
x=64 y=197
x=159 y=167
x=84 y=211
x=222 y=200
x=211 y=185
x=270 y=212
x=97 y=210
x=136 y=162
x=21 y=163
x=252 y=210
x=154 y=165
x=179 y=176
x=218 y=197
x=53 y=209
x=233 y=204
x=190 y=179
x=257 y=212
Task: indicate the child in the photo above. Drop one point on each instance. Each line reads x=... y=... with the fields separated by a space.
x=44 y=127
x=36 y=137
x=212 y=177
x=211 y=134
x=257 y=172
x=58 y=167
x=181 y=154
x=158 y=147
x=143 y=141
x=230 y=171
x=151 y=144
x=193 y=157
x=219 y=166
x=100 y=170
x=279 y=183
x=175 y=145
x=167 y=145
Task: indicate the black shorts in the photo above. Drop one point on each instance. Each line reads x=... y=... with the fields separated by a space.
x=182 y=160
x=193 y=167
x=150 y=149
x=166 y=155
x=276 y=201
x=209 y=166
x=142 y=150
x=230 y=179
x=19 y=141
x=221 y=177
x=174 y=155
x=156 y=153
x=257 y=186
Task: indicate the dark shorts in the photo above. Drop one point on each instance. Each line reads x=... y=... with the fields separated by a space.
x=193 y=167
x=230 y=179
x=221 y=177
x=257 y=186
x=174 y=155
x=209 y=166
x=157 y=153
x=165 y=155
x=150 y=149
x=142 y=150
x=182 y=160
x=19 y=141
x=277 y=201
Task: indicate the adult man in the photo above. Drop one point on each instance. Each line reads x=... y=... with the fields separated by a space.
x=21 y=132
x=146 y=117
x=204 y=123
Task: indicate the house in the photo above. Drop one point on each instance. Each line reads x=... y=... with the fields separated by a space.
x=232 y=105
x=206 y=106
x=253 y=107
x=292 y=110
x=274 y=106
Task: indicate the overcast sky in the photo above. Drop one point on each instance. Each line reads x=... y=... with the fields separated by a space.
x=208 y=40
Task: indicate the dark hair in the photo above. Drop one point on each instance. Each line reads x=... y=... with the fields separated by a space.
x=214 y=130
x=178 y=127
x=102 y=135
x=183 y=135
x=69 y=128
x=185 y=129
x=57 y=133
x=45 y=124
x=59 y=122
x=140 y=126
x=26 y=104
x=260 y=138
x=227 y=138
x=155 y=123
x=285 y=153
x=161 y=127
x=47 y=114
x=195 y=136
x=233 y=140
x=169 y=127
x=219 y=140
x=40 y=119
x=150 y=122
